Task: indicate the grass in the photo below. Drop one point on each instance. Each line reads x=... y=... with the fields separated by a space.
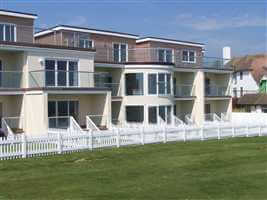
x=226 y=169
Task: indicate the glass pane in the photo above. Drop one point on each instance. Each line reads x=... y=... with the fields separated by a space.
x=62 y=108
x=1 y=32
x=192 y=56
x=62 y=73
x=12 y=30
x=152 y=83
x=161 y=84
x=168 y=83
x=50 y=73
x=169 y=108
x=135 y=114
x=74 y=109
x=152 y=115
x=73 y=73
x=116 y=52
x=161 y=55
x=162 y=112
x=185 y=56
x=81 y=43
x=7 y=32
x=51 y=108
x=123 y=53
x=134 y=84
x=169 y=56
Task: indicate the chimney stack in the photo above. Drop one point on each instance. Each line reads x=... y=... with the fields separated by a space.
x=226 y=55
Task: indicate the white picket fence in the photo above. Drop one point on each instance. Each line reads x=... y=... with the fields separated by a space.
x=61 y=142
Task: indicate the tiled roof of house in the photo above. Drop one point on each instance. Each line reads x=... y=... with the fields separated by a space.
x=253 y=99
x=256 y=63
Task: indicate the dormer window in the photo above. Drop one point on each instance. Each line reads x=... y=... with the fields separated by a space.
x=189 y=56
x=120 y=52
x=8 y=32
x=165 y=55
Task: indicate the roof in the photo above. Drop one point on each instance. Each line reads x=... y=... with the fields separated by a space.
x=18 y=14
x=254 y=63
x=170 y=41
x=85 y=30
x=253 y=99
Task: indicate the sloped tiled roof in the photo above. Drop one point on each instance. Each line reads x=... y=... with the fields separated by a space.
x=256 y=63
x=253 y=99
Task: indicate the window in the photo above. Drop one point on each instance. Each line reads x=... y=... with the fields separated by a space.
x=189 y=56
x=152 y=83
x=165 y=113
x=59 y=112
x=135 y=114
x=152 y=115
x=61 y=73
x=8 y=32
x=134 y=84
x=120 y=52
x=85 y=43
x=235 y=92
x=165 y=55
x=235 y=78
x=241 y=75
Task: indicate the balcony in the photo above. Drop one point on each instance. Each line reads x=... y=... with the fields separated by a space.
x=115 y=88
x=67 y=79
x=217 y=91
x=10 y=80
x=183 y=91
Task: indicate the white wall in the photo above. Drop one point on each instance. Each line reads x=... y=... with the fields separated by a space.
x=248 y=83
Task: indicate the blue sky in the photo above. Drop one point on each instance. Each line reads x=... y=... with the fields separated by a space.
x=240 y=24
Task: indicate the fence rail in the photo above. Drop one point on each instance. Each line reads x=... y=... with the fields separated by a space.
x=60 y=142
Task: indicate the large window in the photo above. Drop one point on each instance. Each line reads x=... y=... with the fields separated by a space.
x=120 y=52
x=59 y=112
x=165 y=55
x=61 y=73
x=159 y=84
x=134 y=84
x=163 y=111
x=135 y=114
x=8 y=32
x=189 y=56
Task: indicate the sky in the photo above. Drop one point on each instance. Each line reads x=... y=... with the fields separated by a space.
x=240 y=24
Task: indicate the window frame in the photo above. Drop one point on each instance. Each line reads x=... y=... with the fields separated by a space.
x=4 y=31
x=120 y=49
x=143 y=83
x=67 y=72
x=138 y=105
x=165 y=111
x=188 y=56
x=165 y=54
x=85 y=39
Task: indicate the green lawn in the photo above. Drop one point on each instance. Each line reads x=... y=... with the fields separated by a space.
x=226 y=169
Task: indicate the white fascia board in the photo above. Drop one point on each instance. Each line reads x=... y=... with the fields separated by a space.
x=85 y=31
x=18 y=15
x=169 y=42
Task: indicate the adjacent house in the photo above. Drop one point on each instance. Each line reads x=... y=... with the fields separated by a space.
x=83 y=78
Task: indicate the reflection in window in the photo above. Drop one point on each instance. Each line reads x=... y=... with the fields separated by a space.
x=134 y=84
x=135 y=114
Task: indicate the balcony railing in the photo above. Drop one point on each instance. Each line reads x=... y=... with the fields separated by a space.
x=184 y=90
x=214 y=63
x=69 y=79
x=116 y=90
x=215 y=90
x=11 y=79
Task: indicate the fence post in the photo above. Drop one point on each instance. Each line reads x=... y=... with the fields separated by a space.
x=247 y=130
x=184 y=134
x=219 y=132
x=164 y=134
x=233 y=131
x=59 y=143
x=260 y=130
x=91 y=140
x=142 y=135
x=118 y=138
x=24 y=146
x=202 y=132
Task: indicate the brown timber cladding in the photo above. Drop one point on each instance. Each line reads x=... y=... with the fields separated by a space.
x=24 y=27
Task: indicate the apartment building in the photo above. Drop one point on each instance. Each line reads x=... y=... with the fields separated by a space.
x=153 y=79
x=45 y=86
